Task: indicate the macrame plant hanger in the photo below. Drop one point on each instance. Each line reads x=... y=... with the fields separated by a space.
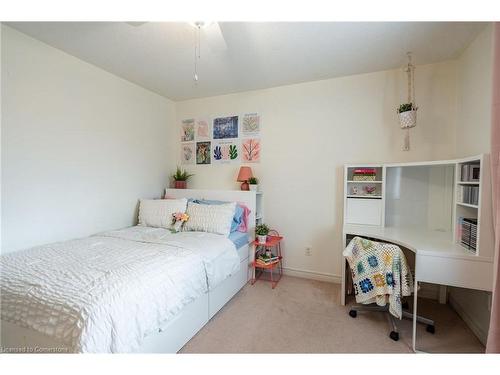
x=411 y=120
x=197 y=48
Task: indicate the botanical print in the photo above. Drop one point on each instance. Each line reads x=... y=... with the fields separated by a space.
x=202 y=129
x=251 y=150
x=202 y=152
x=225 y=127
x=225 y=152
x=187 y=153
x=187 y=131
x=250 y=124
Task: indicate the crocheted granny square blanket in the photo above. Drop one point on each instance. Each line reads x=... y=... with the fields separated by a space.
x=380 y=273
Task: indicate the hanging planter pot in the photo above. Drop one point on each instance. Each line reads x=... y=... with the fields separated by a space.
x=408 y=119
x=407 y=112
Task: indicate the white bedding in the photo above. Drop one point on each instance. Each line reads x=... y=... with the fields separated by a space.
x=105 y=293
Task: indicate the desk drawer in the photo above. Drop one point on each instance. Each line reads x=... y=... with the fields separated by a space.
x=457 y=272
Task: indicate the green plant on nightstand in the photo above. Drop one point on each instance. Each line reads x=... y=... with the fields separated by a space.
x=262 y=231
x=253 y=183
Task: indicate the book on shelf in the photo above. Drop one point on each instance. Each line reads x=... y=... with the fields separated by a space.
x=265 y=260
x=469 y=195
x=470 y=172
x=468 y=232
x=365 y=171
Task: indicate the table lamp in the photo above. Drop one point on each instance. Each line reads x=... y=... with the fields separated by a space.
x=243 y=177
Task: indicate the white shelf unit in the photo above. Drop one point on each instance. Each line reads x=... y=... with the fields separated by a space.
x=361 y=207
x=425 y=194
x=259 y=210
x=468 y=205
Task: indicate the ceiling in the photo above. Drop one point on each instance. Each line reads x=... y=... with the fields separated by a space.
x=160 y=55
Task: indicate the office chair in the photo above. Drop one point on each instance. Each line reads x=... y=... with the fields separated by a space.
x=394 y=334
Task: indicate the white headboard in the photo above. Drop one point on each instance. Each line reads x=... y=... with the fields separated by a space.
x=246 y=197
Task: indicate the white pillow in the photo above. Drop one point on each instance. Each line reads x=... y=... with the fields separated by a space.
x=157 y=213
x=214 y=218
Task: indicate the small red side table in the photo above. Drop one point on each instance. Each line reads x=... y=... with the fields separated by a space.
x=273 y=243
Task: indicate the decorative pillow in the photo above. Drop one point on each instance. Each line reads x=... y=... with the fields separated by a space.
x=157 y=213
x=243 y=227
x=239 y=212
x=210 y=218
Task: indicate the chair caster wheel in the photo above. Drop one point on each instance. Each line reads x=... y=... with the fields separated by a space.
x=353 y=313
x=405 y=306
x=394 y=335
x=430 y=329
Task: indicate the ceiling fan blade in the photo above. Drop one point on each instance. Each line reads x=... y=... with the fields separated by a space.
x=136 y=24
x=214 y=37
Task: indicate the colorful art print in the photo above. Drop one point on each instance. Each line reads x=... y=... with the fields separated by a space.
x=225 y=152
x=250 y=124
x=202 y=129
x=250 y=150
x=202 y=152
x=187 y=131
x=225 y=127
x=187 y=153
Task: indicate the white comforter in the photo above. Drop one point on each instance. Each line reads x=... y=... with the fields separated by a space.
x=105 y=293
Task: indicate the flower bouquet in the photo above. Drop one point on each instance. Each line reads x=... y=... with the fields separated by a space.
x=178 y=219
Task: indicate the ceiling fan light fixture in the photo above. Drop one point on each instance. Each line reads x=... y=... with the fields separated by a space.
x=201 y=24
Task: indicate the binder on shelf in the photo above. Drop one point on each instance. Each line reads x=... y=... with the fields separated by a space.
x=468 y=233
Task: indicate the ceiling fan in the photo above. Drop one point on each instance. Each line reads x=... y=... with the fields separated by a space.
x=211 y=32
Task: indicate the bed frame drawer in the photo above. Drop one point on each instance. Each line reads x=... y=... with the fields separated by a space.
x=243 y=252
x=225 y=291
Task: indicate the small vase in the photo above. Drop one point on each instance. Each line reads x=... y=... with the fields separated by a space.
x=180 y=184
x=254 y=187
x=262 y=239
x=176 y=227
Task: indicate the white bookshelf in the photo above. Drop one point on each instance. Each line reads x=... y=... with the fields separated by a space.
x=361 y=207
x=468 y=192
x=259 y=210
x=423 y=196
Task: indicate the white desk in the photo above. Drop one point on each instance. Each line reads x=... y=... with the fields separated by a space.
x=438 y=259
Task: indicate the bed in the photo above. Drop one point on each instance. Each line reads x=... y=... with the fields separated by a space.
x=97 y=295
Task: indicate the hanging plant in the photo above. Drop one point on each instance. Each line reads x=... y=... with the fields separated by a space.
x=407 y=112
x=407 y=115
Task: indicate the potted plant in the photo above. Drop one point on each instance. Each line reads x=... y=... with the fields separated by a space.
x=261 y=231
x=407 y=115
x=180 y=178
x=254 y=183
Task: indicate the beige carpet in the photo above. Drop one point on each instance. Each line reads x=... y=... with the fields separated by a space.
x=304 y=316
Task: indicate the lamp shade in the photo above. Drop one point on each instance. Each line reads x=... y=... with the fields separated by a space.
x=244 y=174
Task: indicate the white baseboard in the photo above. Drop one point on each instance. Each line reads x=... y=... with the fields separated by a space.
x=471 y=323
x=313 y=275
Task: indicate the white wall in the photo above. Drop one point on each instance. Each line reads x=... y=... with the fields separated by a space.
x=310 y=130
x=79 y=145
x=426 y=192
x=474 y=77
